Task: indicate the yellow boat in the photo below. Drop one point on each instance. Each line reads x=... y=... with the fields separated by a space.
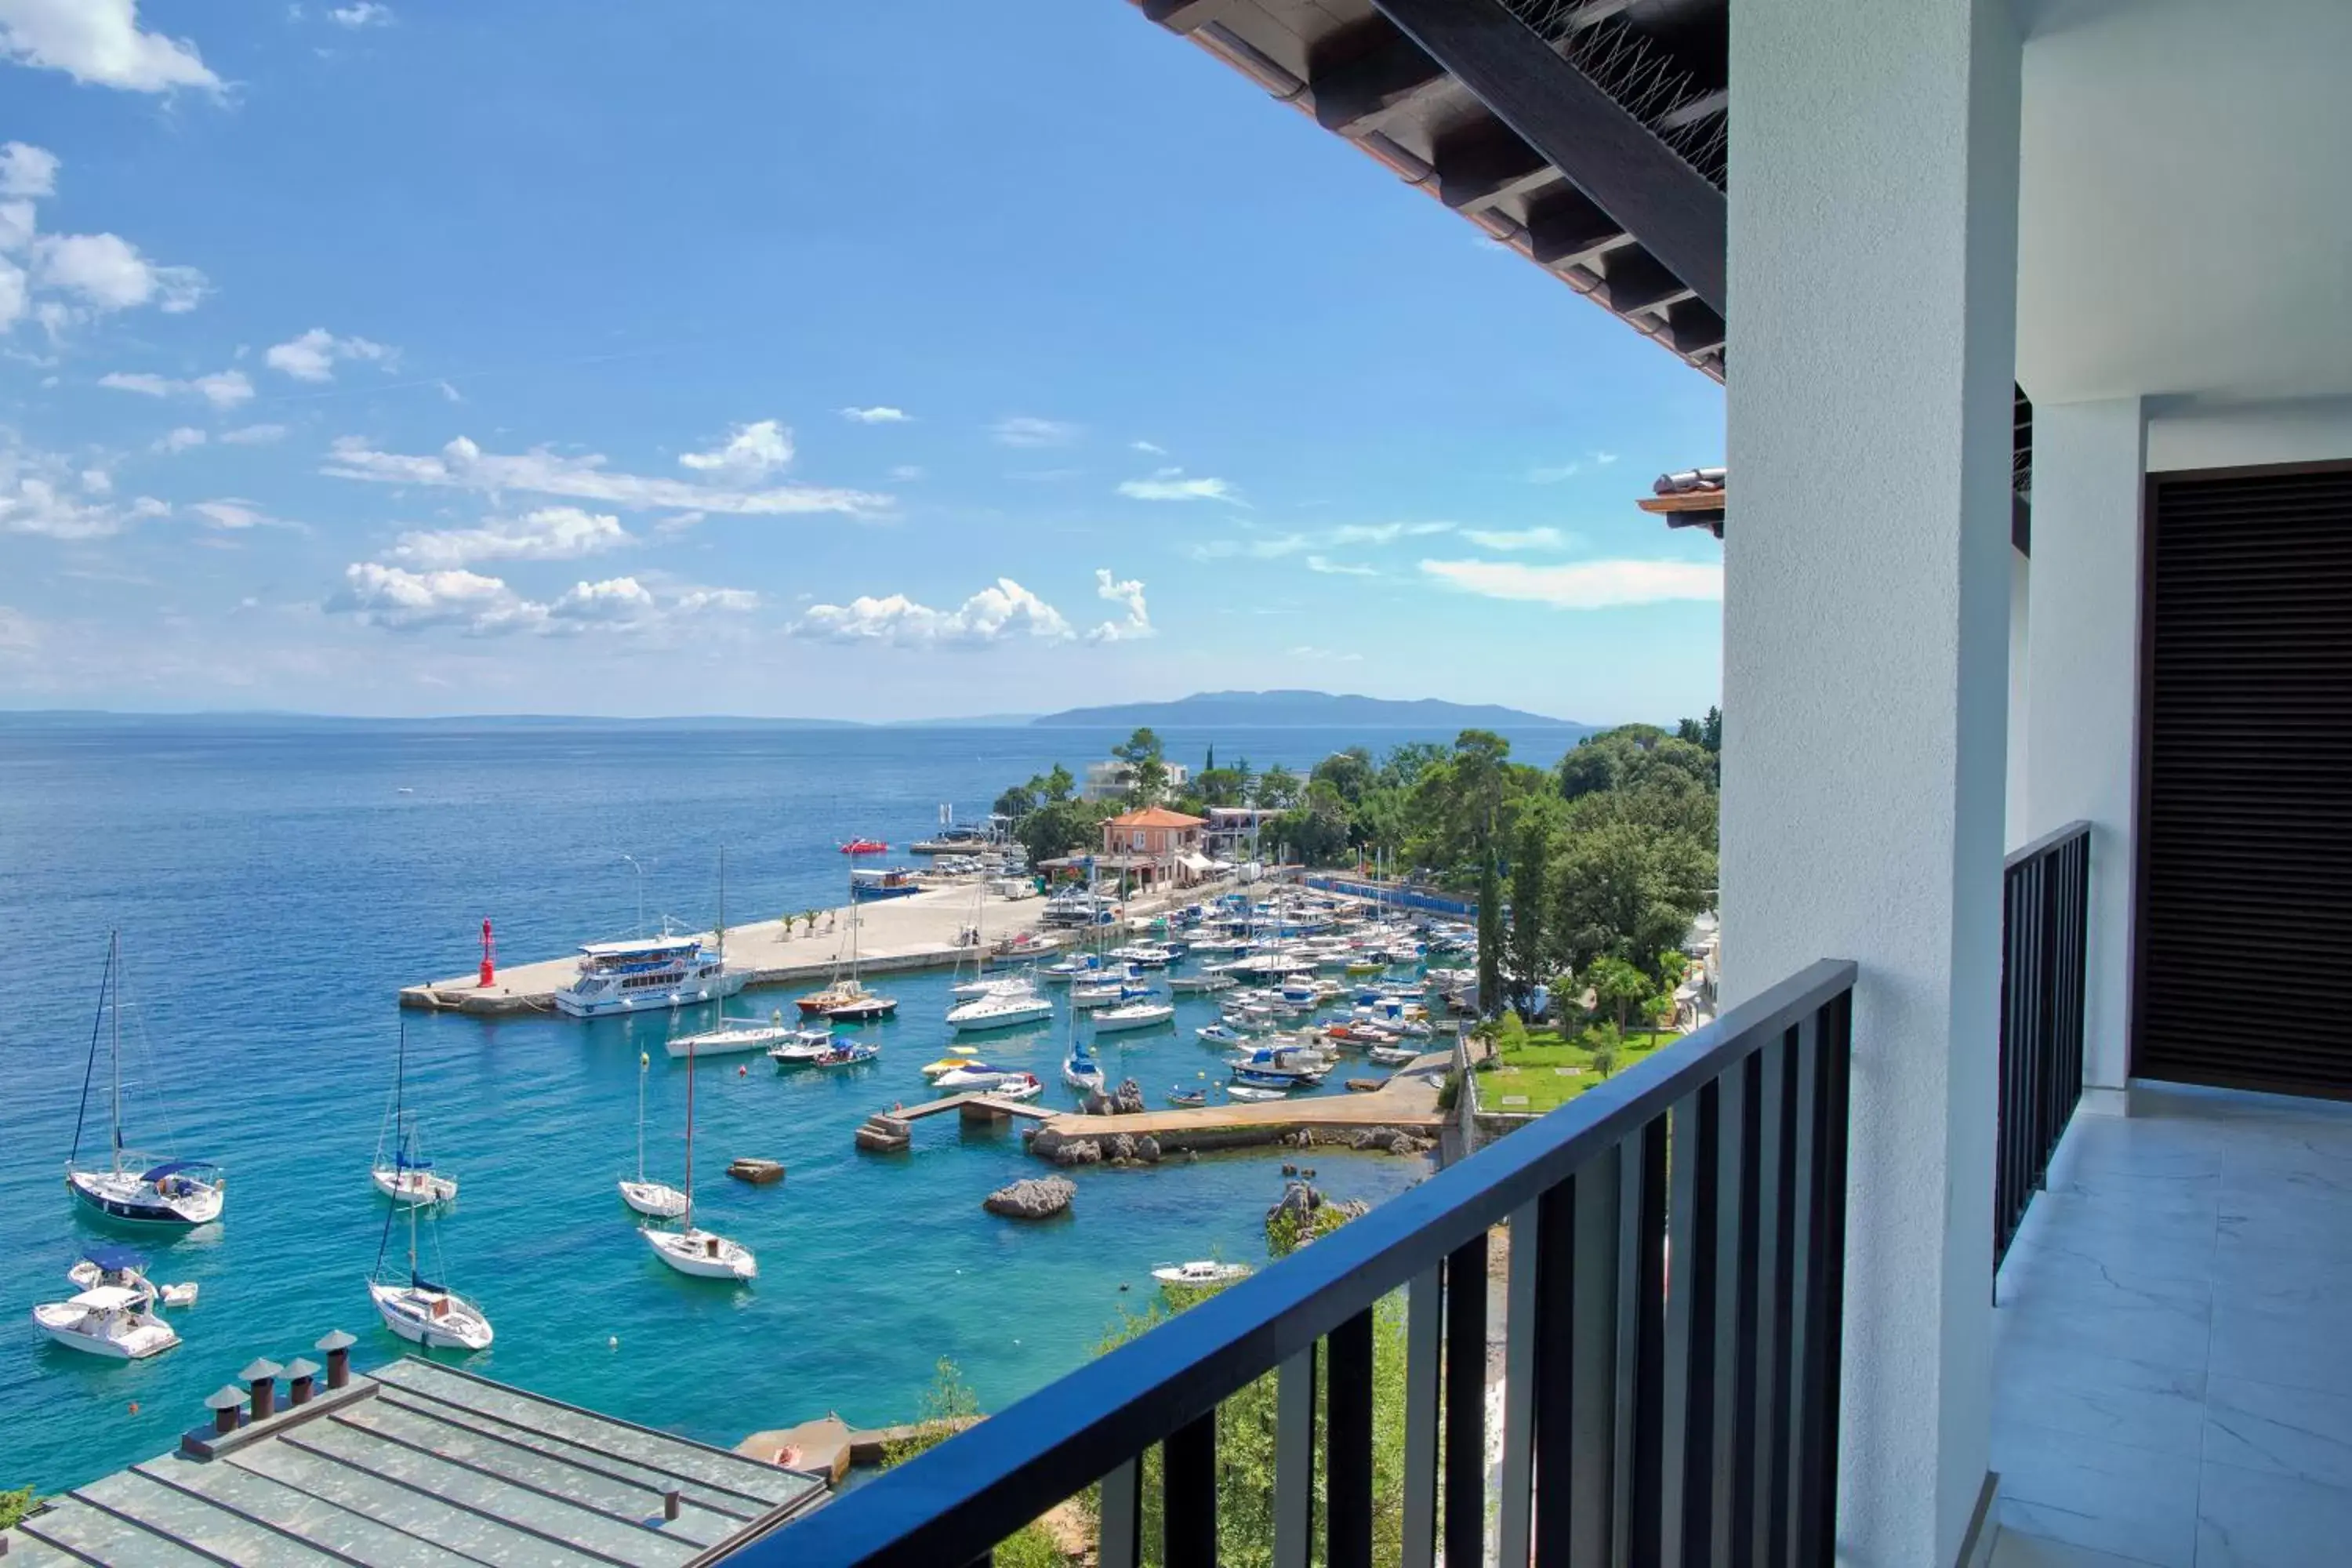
x=955 y=1059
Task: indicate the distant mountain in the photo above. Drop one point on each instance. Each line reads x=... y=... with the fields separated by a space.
x=1289 y=710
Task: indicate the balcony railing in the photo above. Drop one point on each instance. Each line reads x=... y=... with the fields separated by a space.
x=2045 y=909
x=1648 y=1414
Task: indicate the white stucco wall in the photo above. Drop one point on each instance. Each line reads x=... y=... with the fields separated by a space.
x=2020 y=597
x=1873 y=276
x=2247 y=436
x=2081 y=741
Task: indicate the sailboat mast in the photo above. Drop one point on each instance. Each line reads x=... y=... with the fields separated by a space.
x=722 y=901
x=689 y=1132
x=644 y=1061
x=114 y=1050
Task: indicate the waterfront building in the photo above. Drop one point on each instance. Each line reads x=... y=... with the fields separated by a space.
x=1232 y=832
x=1154 y=846
x=1112 y=779
x=417 y=1462
x=1997 y=1235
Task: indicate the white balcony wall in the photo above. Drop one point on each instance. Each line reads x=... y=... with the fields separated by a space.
x=1873 y=276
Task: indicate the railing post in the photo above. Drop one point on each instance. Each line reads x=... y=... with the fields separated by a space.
x=1465 y=1402
x=1294 y=1460
x=1424 y=1347
x=1121 y=1545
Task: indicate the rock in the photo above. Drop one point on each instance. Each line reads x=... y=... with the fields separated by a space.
x=1406 y=1144
x=1038 y=1198
x=1146 y=1148
x=1371 y=1137
x=1065 y=1149
x=1128 y=1100
x=1118 y=1147
x=1298 y=1199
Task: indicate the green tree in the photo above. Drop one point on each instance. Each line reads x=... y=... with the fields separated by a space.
x=1017 y=802
x=1350 y=773
x=1318 y=827
x=15 y=1505
x=1058 y=828
x=1144 y=746
x=1528 y=957
x=1628 y=892
x=1218 y=786
x=948 y=1406
x=1148 y=780
x=1490 y=935
x=1277 y=788
x=1055 y=786
x=1404 y=764
x=1618 y=988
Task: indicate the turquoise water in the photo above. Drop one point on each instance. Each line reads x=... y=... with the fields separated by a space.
x=274 y=886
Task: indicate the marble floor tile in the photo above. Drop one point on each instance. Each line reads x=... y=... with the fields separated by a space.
x=2298 y=1432
x=2014 y=1550
x=2295 y=1349
x=2246 y=1519
x=2134 y=1502
x=2136 y=1403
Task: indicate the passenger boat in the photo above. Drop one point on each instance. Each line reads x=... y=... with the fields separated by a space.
x=892 y=882
x=698 y=1253
x=799 y=1046
x=111 y=1321
x=420 y=1311
x=641 y=973
x=657 y=1199
x=733 y=1037
x=1143 y=1014
x=135 y=1189
x=1200 y=1272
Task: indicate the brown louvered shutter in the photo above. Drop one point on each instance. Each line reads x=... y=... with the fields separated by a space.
x=2245 y=913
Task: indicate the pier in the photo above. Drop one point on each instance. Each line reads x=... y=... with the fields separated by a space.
x=892 y=1131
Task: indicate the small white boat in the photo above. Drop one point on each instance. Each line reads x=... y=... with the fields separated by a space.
x=1392 y=1056
x=1001 y=1011
x=733 y=1037
x=1250 y=1092
x=848 y=1055
x=111 y=1321
x=957 y=1057
x=974 y=1075
x=1200 y=1272
x=653 y=1199
x=1017 y=1086
x=1193 y=984
x=400 y=1170
x=701 y=1253
x=1133 y=1016
x=1081 y=1071
x=1097 y=995
x=407 y=1181
x=424 y=1313
x=1221 y=1035
x=1003 y=985
x=799 y=1046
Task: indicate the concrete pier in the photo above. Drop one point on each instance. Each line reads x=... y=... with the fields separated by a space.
x=1407 y=1102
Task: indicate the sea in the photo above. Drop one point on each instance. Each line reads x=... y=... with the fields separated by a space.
x=276 y=881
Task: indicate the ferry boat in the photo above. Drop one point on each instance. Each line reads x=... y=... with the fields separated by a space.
x=643 y=972
x=883 y=882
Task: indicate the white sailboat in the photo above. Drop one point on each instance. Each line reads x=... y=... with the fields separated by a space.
x=133 y=1188
x=654 y=1198
x=699 y=1252
x=732 y=1036
x=420 y=1311
x=406 y=1176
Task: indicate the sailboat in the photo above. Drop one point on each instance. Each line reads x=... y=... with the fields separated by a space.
x=686 y=1249
x=648 y=1197
x=421 y=1311
x=1079 y=1068
x=406 y=1177
x=130 y=1187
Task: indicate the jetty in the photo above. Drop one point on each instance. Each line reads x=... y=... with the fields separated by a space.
x=894 y=935
x=1406 y=1103
x=892 y=1131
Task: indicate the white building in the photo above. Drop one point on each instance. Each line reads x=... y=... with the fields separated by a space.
x=1111 y=779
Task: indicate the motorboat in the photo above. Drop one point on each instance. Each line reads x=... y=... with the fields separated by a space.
x=1256 y=1092
x=135 y=1189
x=701 y=1253
x=1144 y=956
x=878 y=882
x=1003 y=985
x=974 y=1075
x=1392 y=1056
x=799 y=1046
x=1140 y=1014
x=1188 y=1099
x=865 y=1009
x=657 y=1199
x=865 y=847
x=1003 y=1011
x=1017 y=1086
x=1257 y=1078
x=646 y=972
x=957 y=1057
x=1221 y=1035
x=120 y=1265
x=1200 y=1272
x=111 y=1321
x=844 y=1054
x=689 y=1249
x=733 y=1036
x=1200 y=984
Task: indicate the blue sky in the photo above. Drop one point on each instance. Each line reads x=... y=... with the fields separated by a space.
x=899 y=360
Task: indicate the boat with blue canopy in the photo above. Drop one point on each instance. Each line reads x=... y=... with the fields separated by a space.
x=133 y=1188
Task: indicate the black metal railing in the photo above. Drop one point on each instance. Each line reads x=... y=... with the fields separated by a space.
x=1670 y=1353
x=2044 y=933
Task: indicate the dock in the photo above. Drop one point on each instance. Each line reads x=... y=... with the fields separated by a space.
x=1406 y=1103
x=892 y=1131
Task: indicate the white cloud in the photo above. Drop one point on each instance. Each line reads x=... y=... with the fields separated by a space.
x=16 y=226
x=749 y=452
x=1170 y=484
x=314 y=354
x=362 y=14
x=1132 y=627
x=26 y=171
x=99 y=41
x=616 y=601
x=1003 y=611
x=233 y=514
x=1331 y=568
x=400 y=600
x=730 y=599
x=1025 y=430
x=1559 y=471
x=38 y=497
x=253 y=434
x=1544 y=538
x=176 y=441
x=1324 y=654
x=1152 y=446
x=878 y=415
x=449 y=394
x=462 y=465
x=1279 y=546
x=1583 y=584
x=906 y=472
x=107 y=272
x=222 y=389
x=549 y=533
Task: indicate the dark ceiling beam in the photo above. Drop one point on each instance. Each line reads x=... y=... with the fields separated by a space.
x=1605 y=152
x=1352 y=94
x=1568 y=227
x=1636 y=281
x=1185 y=15
x=1695 y=327
x=1485 y=164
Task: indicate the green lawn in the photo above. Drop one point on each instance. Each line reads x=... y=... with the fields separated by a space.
x=1533 y=1070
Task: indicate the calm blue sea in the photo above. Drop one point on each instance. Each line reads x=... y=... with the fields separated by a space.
x=276 y=881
